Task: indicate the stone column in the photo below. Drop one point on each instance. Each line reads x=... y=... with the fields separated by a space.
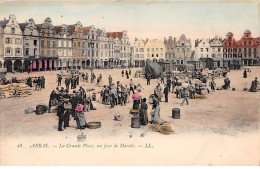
x=31 y=65
x=45 y=65
x=50 y=64
x=12 y=65
x=40 y=65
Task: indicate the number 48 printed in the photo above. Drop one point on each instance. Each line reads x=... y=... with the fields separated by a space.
x=19 y=145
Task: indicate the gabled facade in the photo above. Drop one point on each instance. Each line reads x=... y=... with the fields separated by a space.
x=65 y=50
x=48 y=46
x=12 y=44
x=30 y=44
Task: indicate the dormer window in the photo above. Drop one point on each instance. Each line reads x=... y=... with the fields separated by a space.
x=12 y=30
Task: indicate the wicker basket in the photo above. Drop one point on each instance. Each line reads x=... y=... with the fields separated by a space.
x=94 y=125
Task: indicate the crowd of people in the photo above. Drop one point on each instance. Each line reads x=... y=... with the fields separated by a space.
x=67 y=105
x=115 y=93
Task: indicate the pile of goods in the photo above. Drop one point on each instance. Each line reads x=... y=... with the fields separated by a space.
x=14 y=89
x=164 y=129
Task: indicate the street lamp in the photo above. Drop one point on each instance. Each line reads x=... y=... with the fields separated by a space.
x=92 y=60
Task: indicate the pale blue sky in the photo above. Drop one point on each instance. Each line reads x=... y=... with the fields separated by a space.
x=142 y=19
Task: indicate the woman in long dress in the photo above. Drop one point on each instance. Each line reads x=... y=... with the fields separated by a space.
x=143 y=112
x=81 y=120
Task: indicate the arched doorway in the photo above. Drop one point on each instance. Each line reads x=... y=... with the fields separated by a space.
x=136 y=63
x=83 y=64
x=27 y=64
x=154 y=60
x=88 y=63
x=18 y=66
x=8 y=65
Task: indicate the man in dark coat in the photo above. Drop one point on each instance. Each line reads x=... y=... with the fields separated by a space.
x=43 y=82
x=166 y=92
x=60 y=114
x=29 y=82
x=72 y=81
x=245 y=74
x=59 y=80
x=67 y=83
x=148 y=79
x=169 y=84
x=67 y=109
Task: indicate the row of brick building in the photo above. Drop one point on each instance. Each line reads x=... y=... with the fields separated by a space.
x=220 y=52
x=40 y=47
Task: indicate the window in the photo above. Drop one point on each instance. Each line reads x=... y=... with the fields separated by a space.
x=161 y=49
x=48 y=53
x=244 y=50
x=109 y=46
x=219 y=49
x=35 y=51
x=201 y=49
x=101 y=46
x=26 y=51
x=17 y=51
x=54 y=52
x=48 y=44
x=105 y=46
x=157 y=50
x=157 y=55
x=92 y=36
x=249 y=42
x=42 y=52
x=244 y=42
x=75 y=44
x=35 y=42
x=8 y=40
x=148 y=50
x=148 y=54
x=152 y=55
x=136 y=49
x=78 y=44
x=213 y=49
x=42 y=43
x=12 y=30
x=8 y=50
x=96 y=53
x=17 y=41
x=97 y=45
x=152 y=49
x=207 y=49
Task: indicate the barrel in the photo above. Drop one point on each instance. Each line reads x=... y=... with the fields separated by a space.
x=176 y=113
x=135 y=122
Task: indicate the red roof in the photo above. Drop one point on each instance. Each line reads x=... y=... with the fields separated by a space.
x=71 y=29
x=58 y=29
x=85 y=29
x=114 y=34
